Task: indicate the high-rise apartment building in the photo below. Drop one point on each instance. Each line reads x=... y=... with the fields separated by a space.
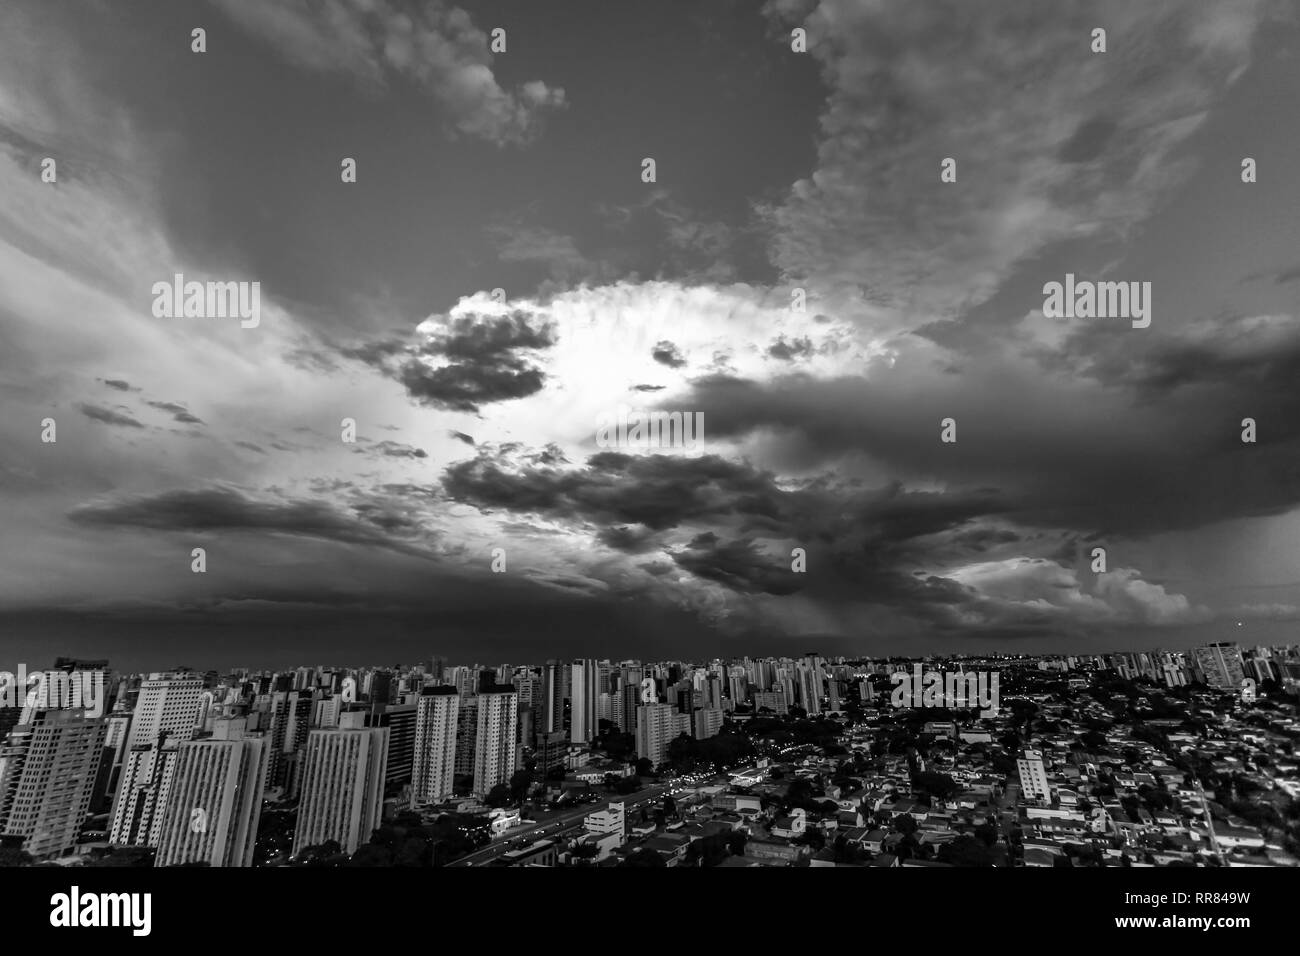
x=495 y=748
x=400 y=719
x=166 y=704
x=437 y=730
x=342 y=784
x=48 y=767
x=657 y=725
x=1221 y=664
x=584 y=691
x=142 y=796
x=214 y=803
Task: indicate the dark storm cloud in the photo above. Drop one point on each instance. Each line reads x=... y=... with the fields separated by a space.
x=107 y=416
x=1251 y=356
x=864 y=544
x=1088 y=141
x=228 y=509
x=666 y=353
x=789 y=351
x=628 y=539
x=739 y=564
x=465 y=388
x=1107 y=463
x=487 y=360
x=657 y=491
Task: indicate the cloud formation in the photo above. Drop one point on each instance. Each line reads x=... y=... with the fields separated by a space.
x=434 y=46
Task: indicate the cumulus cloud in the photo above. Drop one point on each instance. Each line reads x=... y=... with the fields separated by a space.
x=434 y=46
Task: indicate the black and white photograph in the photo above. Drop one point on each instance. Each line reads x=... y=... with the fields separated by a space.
x=614 y=434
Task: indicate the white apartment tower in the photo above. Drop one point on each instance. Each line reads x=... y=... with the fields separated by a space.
x=495 y=745
x=142 y=794
x=166 y=704
x=215 y=800
x=343 y=784
x=434 y=761
x=1033 y=776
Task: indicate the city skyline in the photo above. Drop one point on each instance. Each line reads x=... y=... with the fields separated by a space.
x=812 y=761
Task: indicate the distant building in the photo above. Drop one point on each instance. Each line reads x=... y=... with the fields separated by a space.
x=1221 y=664
x=657 y=725
x=707 y=722
x=1033 y=776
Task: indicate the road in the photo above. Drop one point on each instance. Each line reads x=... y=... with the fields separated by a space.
x=565 y=821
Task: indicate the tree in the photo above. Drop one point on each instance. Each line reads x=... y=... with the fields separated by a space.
x=939 y=785
x=1093 y=740
x=498 y=796
x=966 y=850
x=370 y=854
x=813 y=837
x=520 y=782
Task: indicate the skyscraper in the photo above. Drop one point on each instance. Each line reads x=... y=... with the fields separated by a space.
x=400 y=719
x=552 y=704
x=657 y=725
x=47 y=778
x=584 y=694
x=142 y=796
x=168 y=705
x=436 y=732
x=342 y=784
x=1221 y=664
x=495 y=751
x=214 y=803
x=466 y=735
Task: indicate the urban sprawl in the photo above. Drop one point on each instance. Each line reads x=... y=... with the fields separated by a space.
x=1165 y=758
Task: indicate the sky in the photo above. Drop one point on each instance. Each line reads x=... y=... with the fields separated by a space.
x=501 y=277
